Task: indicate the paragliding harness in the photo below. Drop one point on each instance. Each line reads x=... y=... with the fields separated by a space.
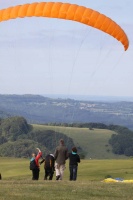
x=33 y=165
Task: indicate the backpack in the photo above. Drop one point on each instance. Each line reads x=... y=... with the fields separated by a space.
x=33 y=165
x=49 y=162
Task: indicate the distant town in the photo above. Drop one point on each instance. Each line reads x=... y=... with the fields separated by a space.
x=40 y=109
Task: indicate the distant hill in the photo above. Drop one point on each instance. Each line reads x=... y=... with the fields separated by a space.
x=92 y=97
x=94 y=143
x=18 y=139
x=93 y=140
x=40 y=109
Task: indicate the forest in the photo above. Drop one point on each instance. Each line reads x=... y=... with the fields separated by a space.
x=17 y=138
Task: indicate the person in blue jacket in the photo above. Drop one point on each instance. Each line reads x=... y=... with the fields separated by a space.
x=74 y=159
x=34 y=166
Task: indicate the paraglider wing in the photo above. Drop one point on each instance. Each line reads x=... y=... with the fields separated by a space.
x=69 y=12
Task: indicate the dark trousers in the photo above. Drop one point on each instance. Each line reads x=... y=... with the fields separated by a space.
x=35 y=174
x=48 y=173
x=73 y=172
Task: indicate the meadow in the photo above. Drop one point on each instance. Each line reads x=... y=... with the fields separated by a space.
x=16 y=181
x=85 y=137
x=99 y=164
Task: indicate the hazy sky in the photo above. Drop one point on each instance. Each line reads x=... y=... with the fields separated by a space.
x=52 y=56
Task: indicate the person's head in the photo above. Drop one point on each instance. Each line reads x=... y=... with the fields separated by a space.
x=74 y=149
x=33 y=155
x=61 y=141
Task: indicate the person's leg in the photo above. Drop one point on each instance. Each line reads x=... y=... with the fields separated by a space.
x=51 y=174
x=45 y=175
x=71 y=172
x=57 y=171
x=62 y=168
x=75 y=168
x=33 y=174
x=36 y=174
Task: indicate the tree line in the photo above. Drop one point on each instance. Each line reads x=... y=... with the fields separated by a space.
x=18 y=139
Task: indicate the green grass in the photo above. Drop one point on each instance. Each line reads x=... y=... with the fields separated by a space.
x=93 y=142
x=25 y=190
x=93 y=170
x=16 y=181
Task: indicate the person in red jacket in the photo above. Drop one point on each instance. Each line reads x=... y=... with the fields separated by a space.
x=36 y=169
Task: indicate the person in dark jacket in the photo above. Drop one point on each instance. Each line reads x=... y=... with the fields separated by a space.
x=74 y=159
x=49 y=162
x=36 y=157
x=60 y=155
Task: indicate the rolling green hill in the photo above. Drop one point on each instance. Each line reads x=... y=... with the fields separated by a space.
x=93 y=142
x=19 y=139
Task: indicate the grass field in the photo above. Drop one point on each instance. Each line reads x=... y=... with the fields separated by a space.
x=16 y=181
x=93 y=142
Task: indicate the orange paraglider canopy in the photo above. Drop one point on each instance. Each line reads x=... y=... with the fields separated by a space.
x=69 y=12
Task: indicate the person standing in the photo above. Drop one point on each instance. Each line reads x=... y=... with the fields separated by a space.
x=49 y=162
x=60 y=155
x=74 y=159
x=34 y=164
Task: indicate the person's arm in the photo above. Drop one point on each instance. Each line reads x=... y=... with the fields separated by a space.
x=38 y=150
x=38 y=155
x=78 y=158
x=67 y=154
x=42 y=161
x=55 y=154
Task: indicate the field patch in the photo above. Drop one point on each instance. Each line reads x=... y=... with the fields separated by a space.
x=93 y=142
x=16 y=181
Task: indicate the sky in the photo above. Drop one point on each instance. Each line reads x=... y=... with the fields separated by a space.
x=53 y=56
